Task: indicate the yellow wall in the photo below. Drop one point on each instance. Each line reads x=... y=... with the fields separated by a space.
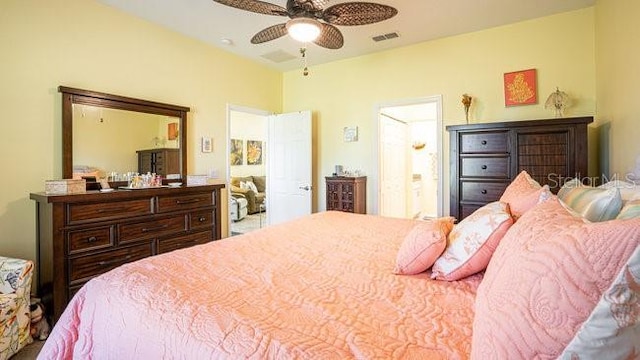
x=84 y=44
x=618 y=79
x=345 y=93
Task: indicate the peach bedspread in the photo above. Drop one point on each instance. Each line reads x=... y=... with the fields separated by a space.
x=320 y=287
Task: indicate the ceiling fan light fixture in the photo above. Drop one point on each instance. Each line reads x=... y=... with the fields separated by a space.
x=304 y=29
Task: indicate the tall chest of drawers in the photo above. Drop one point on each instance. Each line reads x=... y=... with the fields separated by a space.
x=81 y=236
x=160 y=161
x=485 y=158
x=347 y=194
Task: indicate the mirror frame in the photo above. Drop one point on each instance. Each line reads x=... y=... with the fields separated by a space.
x=72 y=96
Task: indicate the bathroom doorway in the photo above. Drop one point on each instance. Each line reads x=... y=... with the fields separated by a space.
x=410 y=158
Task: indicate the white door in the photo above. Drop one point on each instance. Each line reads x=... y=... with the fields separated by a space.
x=393 y=164
x=289 y=167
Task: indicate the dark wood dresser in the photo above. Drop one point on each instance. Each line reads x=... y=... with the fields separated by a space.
x=81 y=236
x=347 y=194
x=485 y=158
x=159 y=161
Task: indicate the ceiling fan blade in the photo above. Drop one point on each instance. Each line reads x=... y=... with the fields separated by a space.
x=270 y=33
x=330 y=37
x=255 y=6
x=358 y=13
x=308 y=5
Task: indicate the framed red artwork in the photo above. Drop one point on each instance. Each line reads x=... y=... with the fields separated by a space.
x=172 y=131
x=520 y=88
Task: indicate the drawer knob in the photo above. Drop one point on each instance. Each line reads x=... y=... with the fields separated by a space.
x=484 y=142
x=92 y=239
x=484 y=191
x=202 y=219
x=484 y=167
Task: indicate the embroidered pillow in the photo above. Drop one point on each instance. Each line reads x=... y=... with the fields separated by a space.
x=472 y=242
x=595 y=204
x=553 y=279
x=422 y=246
x=524 y=193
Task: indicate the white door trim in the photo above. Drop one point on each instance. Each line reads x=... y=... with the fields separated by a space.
x=375 y=182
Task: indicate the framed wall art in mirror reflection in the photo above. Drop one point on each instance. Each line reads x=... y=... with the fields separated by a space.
x=235 y=152
x=254 y=152
x=172 y=131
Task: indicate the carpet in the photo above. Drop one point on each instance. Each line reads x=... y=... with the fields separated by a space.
x=248 y=223
x=29 y=352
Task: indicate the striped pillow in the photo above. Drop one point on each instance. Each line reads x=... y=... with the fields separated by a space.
x=595 y=204
x=631 y=209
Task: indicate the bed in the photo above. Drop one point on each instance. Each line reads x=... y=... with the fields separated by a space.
x=326 y=286
x=318 y=288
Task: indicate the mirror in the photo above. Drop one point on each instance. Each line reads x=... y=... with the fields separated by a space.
x=106 y=135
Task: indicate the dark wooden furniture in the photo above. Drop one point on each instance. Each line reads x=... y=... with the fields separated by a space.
x=347 y=194
x=71 y=96
x=485 y=158
x=160 y=161
x=81 y=236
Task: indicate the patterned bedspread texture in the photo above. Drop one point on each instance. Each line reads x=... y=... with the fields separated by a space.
x=320 y=287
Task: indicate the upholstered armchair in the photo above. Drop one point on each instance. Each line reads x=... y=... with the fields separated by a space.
x=254 y=198
x=15 y=293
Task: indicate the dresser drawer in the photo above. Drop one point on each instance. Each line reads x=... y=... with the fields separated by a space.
x=492 y=167
x=86 y=267
x=150 y=229
x=166 y=245
x=484 y=192
x=168 y=203
x=468 y=209
x=201 y=219
x=91 y=239
x=484 y=142
x=84 y=212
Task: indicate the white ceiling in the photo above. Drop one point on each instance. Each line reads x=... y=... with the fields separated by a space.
x=417 y=21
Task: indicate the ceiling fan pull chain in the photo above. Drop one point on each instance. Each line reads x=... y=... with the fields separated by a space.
x=303 y=51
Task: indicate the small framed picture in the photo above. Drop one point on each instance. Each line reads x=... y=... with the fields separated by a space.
x=520 y=88
x=207 y=144
x=350 y=133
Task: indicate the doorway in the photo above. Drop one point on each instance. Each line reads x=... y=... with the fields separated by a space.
x=409 y=152
x=269 y=159
x=247 y=169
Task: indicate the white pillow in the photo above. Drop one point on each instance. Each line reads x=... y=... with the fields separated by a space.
x=252 y=186
x=628 y=190
x=243 y=185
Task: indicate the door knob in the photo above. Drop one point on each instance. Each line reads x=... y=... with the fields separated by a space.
x=304 y=187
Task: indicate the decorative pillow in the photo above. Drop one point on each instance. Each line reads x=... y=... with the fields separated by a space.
x=628 y=190
x=252 y=186
x=553 y=279
x=472 y=242
x=422 y=246
x=595 y=204
x=524 y=193
x=631 y=209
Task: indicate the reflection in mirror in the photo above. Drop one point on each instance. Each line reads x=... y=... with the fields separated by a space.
x=108 y=142
x=105 y=135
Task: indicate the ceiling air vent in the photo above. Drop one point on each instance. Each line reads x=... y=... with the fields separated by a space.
x=384 y=37
x=278 y=56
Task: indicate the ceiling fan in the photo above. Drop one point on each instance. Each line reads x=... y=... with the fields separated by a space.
x=311 y=22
